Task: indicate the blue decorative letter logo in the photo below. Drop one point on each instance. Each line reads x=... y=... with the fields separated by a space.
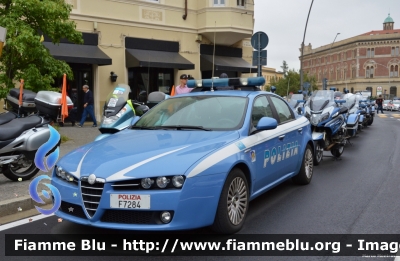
x=43 y=163
x=35 y=196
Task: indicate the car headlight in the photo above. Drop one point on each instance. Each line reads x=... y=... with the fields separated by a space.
x=64 y=175
x=162 y=182
x=146 y=183
x=177 y=181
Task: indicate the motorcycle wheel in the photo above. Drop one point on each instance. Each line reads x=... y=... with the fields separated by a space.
x=11 y=171
x=371 y=121
x=319 y=153
x=337 y=150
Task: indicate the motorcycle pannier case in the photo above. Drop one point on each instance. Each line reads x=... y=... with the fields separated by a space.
x=352 y=120
x=49 y=103
x=28 y=100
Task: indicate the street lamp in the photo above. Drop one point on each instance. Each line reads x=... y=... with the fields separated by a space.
x=329 y=54
x=302 y=48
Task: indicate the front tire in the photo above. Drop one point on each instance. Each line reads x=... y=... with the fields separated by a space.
x=371 y=121
x=306 y=171
x=233 y=204
x=337 y=150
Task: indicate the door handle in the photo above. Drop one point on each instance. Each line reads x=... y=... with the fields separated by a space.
x=282 y=137
x=300 y=130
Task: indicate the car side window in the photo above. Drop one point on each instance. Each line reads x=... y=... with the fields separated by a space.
x=261 y=108
x=283 y=110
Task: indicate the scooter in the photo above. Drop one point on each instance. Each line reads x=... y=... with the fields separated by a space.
x=328 y=124
x=119 y=111
x=20 y=138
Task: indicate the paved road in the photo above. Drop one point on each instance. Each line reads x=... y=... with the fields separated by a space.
x=357 y=195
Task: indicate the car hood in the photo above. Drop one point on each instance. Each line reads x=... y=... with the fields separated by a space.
x=144 y=153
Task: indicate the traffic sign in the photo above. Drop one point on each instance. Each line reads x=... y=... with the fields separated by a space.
x=259 y=40
x=262 y=60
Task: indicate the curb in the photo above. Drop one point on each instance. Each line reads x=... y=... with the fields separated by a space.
x=10 y=206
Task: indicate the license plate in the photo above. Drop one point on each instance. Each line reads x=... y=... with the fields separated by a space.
x=130 y=201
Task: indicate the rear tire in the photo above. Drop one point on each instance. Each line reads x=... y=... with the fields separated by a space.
x=337 y=150
x=10 y=171
x=233 y=204
x=306 y=170
x=371 y=121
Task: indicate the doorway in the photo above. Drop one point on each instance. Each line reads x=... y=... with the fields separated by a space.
x=83 y=75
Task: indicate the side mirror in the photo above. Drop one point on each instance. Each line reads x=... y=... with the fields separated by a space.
x=267 y=123
x=134 y=120
x=301 y=101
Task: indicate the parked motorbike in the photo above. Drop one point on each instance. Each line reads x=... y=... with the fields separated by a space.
x=119 y=111
x=28 y=106
x=328 y=123
x=297 y=102
x=20 y=138
x=352 y=117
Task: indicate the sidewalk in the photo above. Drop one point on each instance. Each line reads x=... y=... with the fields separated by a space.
x=14 y=195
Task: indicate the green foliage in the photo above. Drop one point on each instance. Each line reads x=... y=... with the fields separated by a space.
x=24 y=56
x=292 y=80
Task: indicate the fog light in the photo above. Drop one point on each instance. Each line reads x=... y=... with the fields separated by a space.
x=162 y=182
x=177 y=181
x=146 y=183
x=166 y=217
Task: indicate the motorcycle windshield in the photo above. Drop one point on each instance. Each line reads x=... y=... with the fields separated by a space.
x=350 y=101
x=321 y=99
x=117 y=99
x=293 y=100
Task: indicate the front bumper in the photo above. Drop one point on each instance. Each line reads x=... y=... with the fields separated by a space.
x=193 y=206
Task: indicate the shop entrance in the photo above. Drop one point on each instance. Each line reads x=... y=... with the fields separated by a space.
x=83 y=75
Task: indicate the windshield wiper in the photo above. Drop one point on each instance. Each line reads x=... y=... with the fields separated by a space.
x=143 y=128
x=180 y=127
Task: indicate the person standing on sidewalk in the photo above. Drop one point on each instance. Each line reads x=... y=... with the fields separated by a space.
x=379 y=101
x=88 y=106
x=182 y=88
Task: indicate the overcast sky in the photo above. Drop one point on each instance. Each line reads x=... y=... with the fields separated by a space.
x=284 y=21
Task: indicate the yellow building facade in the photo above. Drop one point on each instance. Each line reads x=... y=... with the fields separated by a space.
x=148 y=44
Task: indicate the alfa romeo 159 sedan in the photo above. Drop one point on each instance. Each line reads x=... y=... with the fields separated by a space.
x=194 y=160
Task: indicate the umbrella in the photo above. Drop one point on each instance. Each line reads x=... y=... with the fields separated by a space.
x=64 y=105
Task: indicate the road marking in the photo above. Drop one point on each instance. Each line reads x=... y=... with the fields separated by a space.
x=23 y=221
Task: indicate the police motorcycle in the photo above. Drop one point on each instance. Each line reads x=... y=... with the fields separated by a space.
x=352 y=117
x=365 y=110
x=297 y=102
x=119 y=110
x=328 y=122
x=20 y=138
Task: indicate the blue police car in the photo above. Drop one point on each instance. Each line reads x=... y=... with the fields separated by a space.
x=194 y=160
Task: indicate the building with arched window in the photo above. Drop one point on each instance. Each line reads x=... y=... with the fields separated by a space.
x=370 y=61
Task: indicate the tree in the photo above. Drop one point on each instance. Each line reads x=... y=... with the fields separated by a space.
x=293 y=81
x=285 y=68
x=24 y=56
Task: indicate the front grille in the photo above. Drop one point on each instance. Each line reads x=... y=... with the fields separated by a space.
x=91 y=195
x=132 y=217
x=77 y=210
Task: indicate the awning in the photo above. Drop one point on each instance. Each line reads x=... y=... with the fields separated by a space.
x=77 y=53
x=226 y=63
x=156 y=59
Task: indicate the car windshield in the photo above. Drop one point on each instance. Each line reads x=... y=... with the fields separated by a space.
x=295 y=97
x=196 y=112
x=321 y=99
x=396 y=102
